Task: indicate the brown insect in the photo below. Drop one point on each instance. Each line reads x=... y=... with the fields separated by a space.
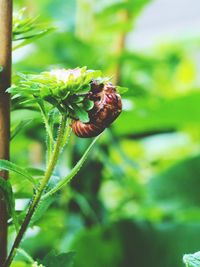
x=107 y=107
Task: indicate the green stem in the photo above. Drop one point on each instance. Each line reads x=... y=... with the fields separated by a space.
x=73 y=172
x=47 y=125
x=40 y=190
x=50 y=139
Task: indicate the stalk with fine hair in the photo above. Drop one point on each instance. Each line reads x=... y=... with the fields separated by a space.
x=40 y=190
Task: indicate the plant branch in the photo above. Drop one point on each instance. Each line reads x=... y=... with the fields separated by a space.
x=40 y=190
x=73 y=172
x=50 y=139
x=5 y=80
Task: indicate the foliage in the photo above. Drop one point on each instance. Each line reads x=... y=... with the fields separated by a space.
x=66 y=259
x=26 y=29
x=138 y=192
x=64 y=89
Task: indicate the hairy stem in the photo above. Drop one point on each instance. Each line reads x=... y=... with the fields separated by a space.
x=5 y=80
x=50 y=139
x=40 y=190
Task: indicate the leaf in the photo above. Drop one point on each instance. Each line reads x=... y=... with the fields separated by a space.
x=41 y=209
x=73 y=172
x=64 y=259
x=192 y=260
x=35 y=171
x=88 y=104
x=10 y=200
x=143 y=116
x=20 y=264
x=122 y=90
x=25 y=255
x=19 y=128
x=81 y=113
x=26 y=29
x=76 y=99
x=44 y=203
x=171 y=185
x=9 y=166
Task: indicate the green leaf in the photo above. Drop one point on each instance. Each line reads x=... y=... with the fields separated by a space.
x=88 y=104
x=25 y=255
x=73 y=172
x=26 y=29
x=10 y=200
x=192 y=260
x=81 y=113
x=64 y=259
x=122 y=90
x=76 y=99
x=159 y=114
x=19 y=128
x=44 y=203
x=9 y=166
x=35 y=171
x=41 y=209
x=20 y=264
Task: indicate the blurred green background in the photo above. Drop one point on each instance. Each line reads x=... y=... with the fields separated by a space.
x=136 y=201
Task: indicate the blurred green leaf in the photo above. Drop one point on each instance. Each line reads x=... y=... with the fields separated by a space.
x=122 y=90
x=159 y=114
x=26 y=29
x=9 y=166
x=175 y=190
x=9 y=199
x=18 y=128
x=25 y=255
x=20 y=264
x=57 y=260
x=35 y=171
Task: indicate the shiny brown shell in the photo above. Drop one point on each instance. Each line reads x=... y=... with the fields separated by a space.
x=86 y=130
x=107 y=107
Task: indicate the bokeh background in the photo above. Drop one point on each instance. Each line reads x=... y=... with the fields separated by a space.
x=136 y=201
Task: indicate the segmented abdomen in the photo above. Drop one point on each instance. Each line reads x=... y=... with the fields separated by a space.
x=86 y=130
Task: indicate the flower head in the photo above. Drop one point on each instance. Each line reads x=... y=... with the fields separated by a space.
x=65 y=89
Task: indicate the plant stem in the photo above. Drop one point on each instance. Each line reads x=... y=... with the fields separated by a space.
x=120 y=46
x=50 y=139
x=5 y=80
x=40 y=190
x=73 y=172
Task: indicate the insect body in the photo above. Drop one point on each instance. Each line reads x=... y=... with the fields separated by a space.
x=107 y=107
